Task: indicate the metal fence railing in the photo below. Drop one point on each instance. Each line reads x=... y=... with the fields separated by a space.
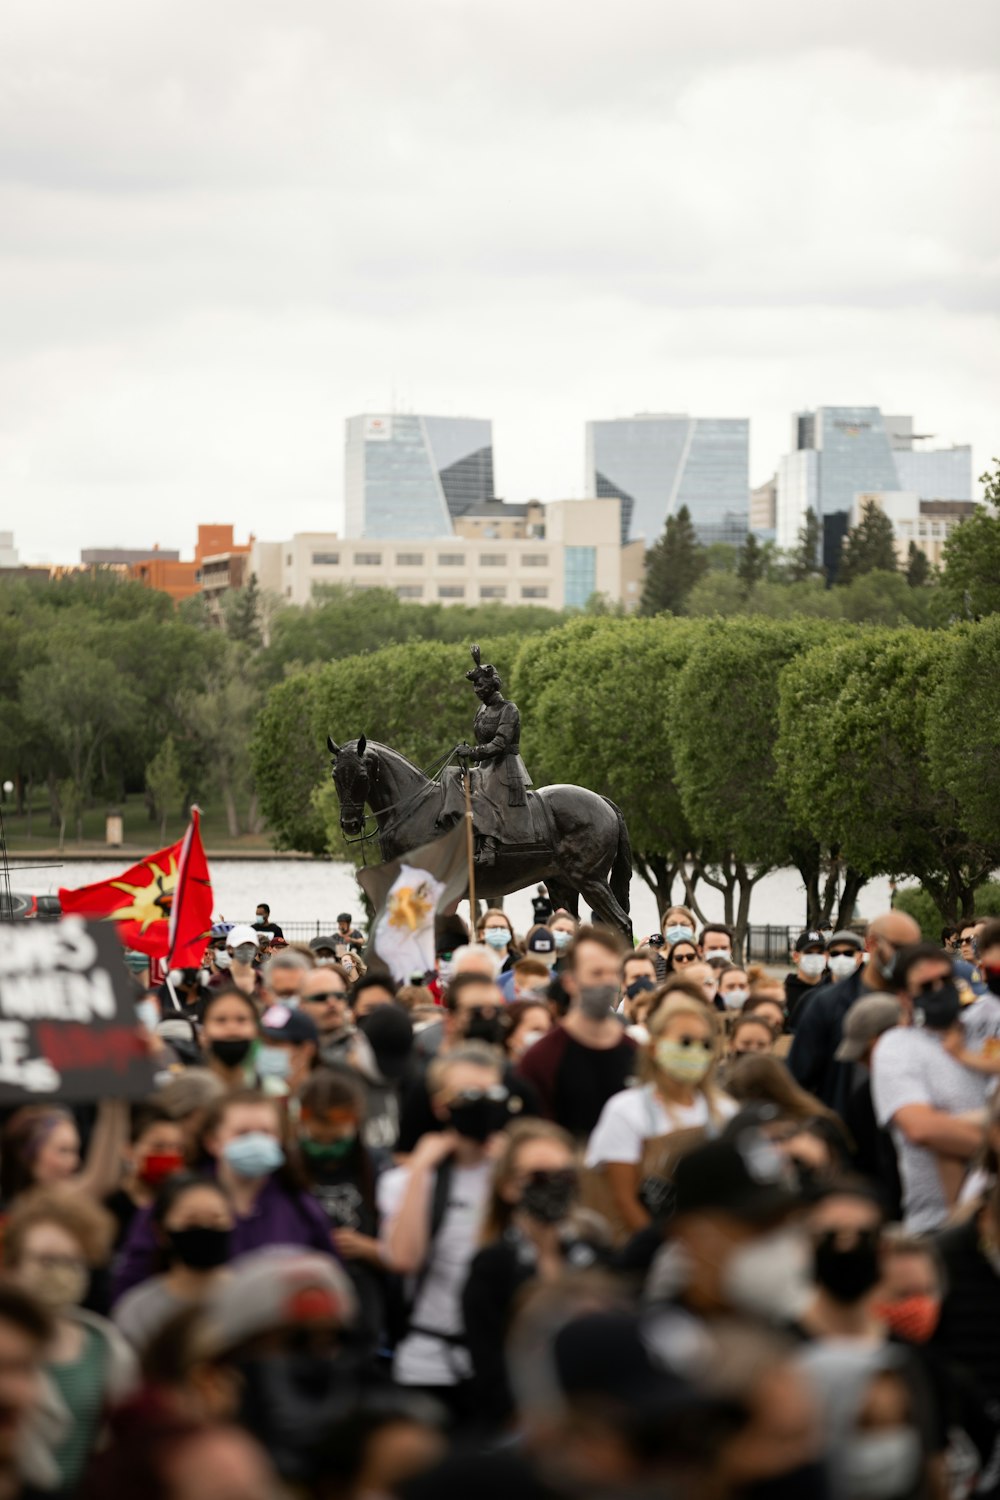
x=769 y=945
x=301 y=932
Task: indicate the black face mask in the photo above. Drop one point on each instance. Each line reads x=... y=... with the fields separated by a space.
x=200 y=1247
x=640 y=987
x=549 y=1196
x=847 y=1274
x=939 y=1007
x=288 y=1400
x=485 y=1028
x=478 y=1118
x=230 y=1051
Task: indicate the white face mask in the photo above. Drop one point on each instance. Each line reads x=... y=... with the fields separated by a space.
x=882 y=1465
x=842 y=964
x=735 y=999
x=530 y=1038
x=770 y=1277
x=812 y=964
x=148 y=1012
x=222 y=959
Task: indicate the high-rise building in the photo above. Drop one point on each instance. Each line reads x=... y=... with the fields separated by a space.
x=412 y=476
x=656 y=464
x=840 y=452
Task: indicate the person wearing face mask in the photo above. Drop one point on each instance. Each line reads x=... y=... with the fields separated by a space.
x=734 y=989
x=533 y=1231
x=931 y=1103
x=187 y=989
x=641 y=1130
x=810 y=959
x=564 y=928
x=230 y=1037
x=751 y=1036
x=715 y=945
x=577 y=1066
x=241 y=1150
x=51 y=1242
x=431 y=1210
x=845 y=1227
x=236 y=962
x=155 y=1153
x=474 y=1011
x=495 y=931
x=288 y=1051
x=193 y=1223
x=820 y=1023
x=528 y=1022
x=732 y=1244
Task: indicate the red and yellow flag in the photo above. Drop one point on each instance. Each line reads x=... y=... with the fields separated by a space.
x=161 y=906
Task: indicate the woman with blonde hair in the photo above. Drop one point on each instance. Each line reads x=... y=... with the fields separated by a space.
x=533 y=1231
x=642 y=1130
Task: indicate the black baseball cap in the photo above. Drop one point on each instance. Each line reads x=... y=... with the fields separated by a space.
x=317 y=944
x=811 y=939
x=541 y=941
x=613 y=1355
x=280 y=1023
x=740 y=1174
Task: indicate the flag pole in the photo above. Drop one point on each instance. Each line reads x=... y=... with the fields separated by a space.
x=470 y=846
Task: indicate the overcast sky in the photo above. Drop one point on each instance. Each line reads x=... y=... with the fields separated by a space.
x=229 y=224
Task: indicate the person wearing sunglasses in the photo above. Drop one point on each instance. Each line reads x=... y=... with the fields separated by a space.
x=323 y=998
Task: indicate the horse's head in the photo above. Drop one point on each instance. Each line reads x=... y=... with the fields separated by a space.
x=355 y=772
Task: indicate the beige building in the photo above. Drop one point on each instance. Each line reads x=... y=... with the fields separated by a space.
x=568 y=551
x=764 y=505
x=927 y=522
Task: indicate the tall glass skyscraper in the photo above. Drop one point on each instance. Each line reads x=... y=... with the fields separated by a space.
x=656 y=464
x=409 y=476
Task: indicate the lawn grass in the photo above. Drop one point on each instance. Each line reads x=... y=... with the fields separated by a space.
x=139 y=832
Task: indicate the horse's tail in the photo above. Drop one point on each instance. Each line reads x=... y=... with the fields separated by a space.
x=621 y=870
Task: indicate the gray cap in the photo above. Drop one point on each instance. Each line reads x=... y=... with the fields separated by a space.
x=866 y=1020
x=277 y=1288
x=851 y=939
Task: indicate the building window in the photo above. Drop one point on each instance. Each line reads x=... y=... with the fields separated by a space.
x=493 y=560
x=451 y=559
x=367 y=559
x=580 y=565
x=409 y=559
x=409 y=591
x=493 y=591
x=535 y=560
x=535 y=591
x=325 y=559
x=288 y=559
x=451 y=591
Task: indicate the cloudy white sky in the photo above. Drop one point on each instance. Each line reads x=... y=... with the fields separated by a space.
x=226 y=225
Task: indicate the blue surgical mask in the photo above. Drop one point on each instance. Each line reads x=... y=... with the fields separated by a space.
x=678 y=934
x=562 y=939
x=273 y=1062
x=148 y=1012
x=497 y=937
x=256 y=1154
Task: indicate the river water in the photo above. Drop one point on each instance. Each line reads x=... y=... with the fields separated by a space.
x=314 y=891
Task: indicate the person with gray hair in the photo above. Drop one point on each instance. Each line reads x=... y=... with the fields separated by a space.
x=284 y=975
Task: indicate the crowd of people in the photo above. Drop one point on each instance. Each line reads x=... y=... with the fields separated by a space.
x=560 y=1217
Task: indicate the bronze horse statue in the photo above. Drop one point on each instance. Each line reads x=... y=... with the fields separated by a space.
x=581 y=846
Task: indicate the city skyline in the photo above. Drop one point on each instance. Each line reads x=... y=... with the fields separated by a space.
x=229 y=230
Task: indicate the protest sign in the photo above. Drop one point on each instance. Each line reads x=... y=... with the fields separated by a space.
x=68 y=1026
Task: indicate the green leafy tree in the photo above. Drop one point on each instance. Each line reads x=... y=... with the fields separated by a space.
x=918 y=569
x=673 y=566
x=854 y=761
x=241 y=614
x=165 y=783
x=963 y=727
x=806 y=559
x=970 y=581
x=869 y=546
x=751 y=563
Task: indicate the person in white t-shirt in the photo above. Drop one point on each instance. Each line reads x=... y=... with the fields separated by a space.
x=679 y=1094
x=430 y=1224
x=925 y=1095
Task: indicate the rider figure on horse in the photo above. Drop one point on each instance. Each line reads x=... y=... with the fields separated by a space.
x=501 y=782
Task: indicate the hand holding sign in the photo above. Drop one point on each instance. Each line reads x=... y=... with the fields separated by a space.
x=67 y=1015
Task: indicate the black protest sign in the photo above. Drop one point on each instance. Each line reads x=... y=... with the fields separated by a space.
x=68 y=1026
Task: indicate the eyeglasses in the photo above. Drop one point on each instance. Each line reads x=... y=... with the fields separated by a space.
x=325 y=995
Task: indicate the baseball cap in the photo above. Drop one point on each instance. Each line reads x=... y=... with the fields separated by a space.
x=741 y=1174
x=541 y=941
x=274 y=1289
x=241 y=933
x=811 y=939
x=317 y=944
x=846 y=939
x=866 y=1020
x=613 y=1355
x=280 y=1023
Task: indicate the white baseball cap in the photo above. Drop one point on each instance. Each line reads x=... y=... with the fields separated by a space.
x=241 y=933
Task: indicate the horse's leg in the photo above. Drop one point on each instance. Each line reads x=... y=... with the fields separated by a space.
x=564 y=897
x=598 y=894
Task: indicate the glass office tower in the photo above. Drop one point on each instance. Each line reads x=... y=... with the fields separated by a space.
x=410 y=476
x=656 y=464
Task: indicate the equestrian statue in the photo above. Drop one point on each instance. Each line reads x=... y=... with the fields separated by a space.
x=573 y=839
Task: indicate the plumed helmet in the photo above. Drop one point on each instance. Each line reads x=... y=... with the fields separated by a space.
x=482 y=674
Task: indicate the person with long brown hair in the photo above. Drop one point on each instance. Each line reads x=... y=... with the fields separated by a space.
x=533 y=1230
x=629 y=1145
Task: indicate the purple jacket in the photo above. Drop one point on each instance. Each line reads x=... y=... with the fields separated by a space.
x=279 y=1217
